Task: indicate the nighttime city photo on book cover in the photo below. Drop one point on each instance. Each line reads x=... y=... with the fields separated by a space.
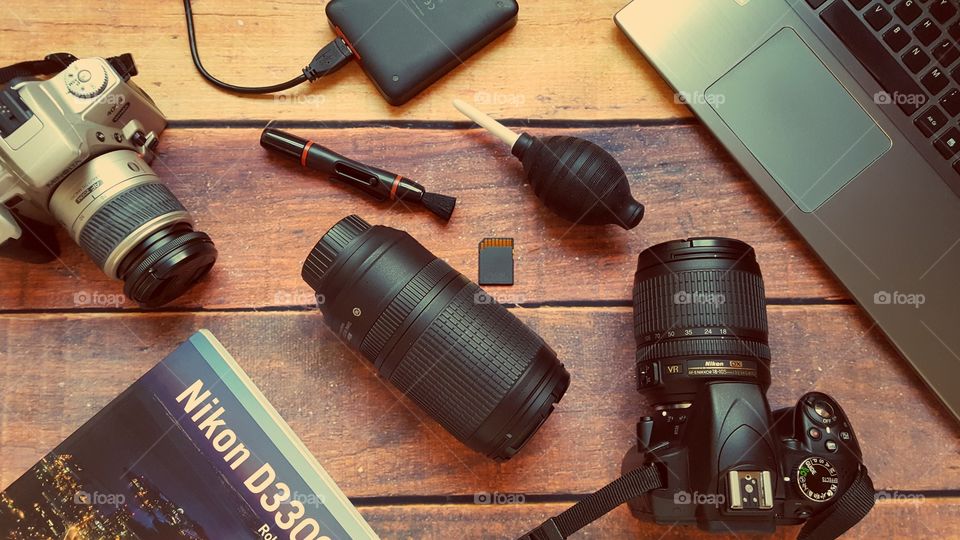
x=145 y=468
x=134 y=473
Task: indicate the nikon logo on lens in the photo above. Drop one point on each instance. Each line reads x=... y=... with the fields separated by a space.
x=474 y=367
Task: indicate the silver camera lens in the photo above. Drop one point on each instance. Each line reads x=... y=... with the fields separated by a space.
x=121 y=214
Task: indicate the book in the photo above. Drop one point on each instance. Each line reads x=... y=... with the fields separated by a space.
x=191 y=450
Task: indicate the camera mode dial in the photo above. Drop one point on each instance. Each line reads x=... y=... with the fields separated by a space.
x=86 y=79
x=818 y=479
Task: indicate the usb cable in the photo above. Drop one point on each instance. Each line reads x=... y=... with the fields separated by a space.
x=330 y=58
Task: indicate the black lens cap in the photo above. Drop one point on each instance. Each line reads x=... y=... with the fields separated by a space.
x=167 y=264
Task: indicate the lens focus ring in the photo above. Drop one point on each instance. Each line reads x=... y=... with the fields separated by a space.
x=116 y=220
x=332 y=243
x=402 y=306
x=728 y=300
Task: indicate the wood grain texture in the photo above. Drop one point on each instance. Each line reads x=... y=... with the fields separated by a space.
x=911 y=518
x=68 y=346
x=375 y=445
x=562 y=61
x=266 y=213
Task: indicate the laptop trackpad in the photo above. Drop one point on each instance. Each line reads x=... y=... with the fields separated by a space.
x=797 y=120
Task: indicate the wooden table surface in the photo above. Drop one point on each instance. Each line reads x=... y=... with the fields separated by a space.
x=66 y=350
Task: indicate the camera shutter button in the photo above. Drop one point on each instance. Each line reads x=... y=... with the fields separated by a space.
x=86 y=79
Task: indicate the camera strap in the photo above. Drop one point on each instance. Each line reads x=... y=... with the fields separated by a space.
x=57 y=62
x=598 y=504
x=855 y=503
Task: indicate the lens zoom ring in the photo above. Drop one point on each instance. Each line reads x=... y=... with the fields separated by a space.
x=690 y=347
x=124 y=214
x=464 y=364
x=401 y=307
x=731 y=299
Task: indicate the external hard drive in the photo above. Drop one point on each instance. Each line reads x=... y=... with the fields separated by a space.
x=406 y=45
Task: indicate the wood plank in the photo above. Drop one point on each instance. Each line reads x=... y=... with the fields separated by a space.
x=561 y=61
x=265 y=214
x=376 y=446
x=914 y=518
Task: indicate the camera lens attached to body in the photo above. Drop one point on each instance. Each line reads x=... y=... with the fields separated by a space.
x=133 y=227
x=439 y=338
x=699 y=316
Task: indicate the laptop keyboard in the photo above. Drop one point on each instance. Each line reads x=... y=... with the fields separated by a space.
x=910 y=48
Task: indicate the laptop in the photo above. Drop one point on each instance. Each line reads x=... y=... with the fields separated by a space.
x=845 y=113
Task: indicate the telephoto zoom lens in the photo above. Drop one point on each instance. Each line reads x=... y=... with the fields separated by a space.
x=439 y=338
x=699 y=316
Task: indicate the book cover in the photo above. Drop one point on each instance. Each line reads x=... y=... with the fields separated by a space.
x=191 y=450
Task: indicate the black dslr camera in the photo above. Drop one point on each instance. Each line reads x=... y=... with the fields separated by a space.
x=714 y=454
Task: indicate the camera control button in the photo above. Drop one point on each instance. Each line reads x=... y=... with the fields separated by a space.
x=824 y=409
x=815 y=434
x=845 y=435
x=86 y=79
x=831 y=445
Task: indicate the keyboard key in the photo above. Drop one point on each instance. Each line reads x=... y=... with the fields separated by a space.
x=955 y=30
x=916 y=59
x=942 y=10
x=815 y=3
x=949 y=143
x=859 y=4
x=945 y=52
x=908 y=11
x=897 y=38
x=926 y=31
x=870 y=52
x=935 y=81
x=931 y=121
x=951 y=102
x=878 y=16
x=956 y=74
x=956 y=166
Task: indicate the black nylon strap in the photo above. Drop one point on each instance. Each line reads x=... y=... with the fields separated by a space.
x=850 y=508
x=53 y=63
x=596 y=505
x=57 y=62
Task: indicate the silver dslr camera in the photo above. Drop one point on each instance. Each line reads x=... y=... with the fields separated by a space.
x=76 y=141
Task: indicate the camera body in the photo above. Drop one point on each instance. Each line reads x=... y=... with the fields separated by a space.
x=728 y=463
x=735 y=466
x=56 y=125
x=75 y=150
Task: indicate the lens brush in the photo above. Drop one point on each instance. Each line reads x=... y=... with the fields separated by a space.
x=574 y=178
x=380 y=184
